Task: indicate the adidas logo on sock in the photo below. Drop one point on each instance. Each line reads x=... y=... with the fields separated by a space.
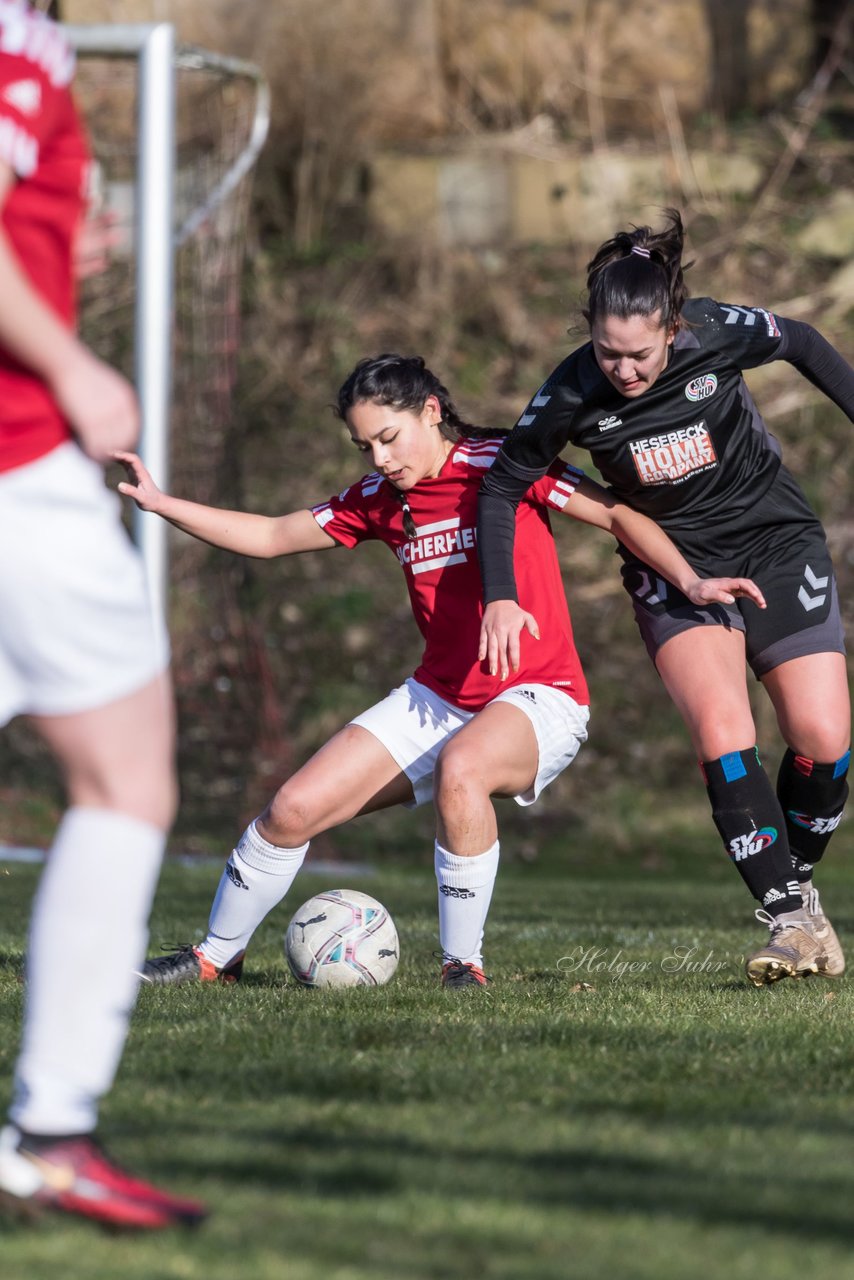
x=235 y=877
x=449 y=891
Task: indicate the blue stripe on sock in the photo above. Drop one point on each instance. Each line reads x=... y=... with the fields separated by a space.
x=733 y=766
x=841 y=766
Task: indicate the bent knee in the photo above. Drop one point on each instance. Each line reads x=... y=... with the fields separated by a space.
x=152 y=798
x=819 y=743
x=288 y=820
x=458 y=772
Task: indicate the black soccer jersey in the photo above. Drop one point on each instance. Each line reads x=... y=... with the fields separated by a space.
x=692 y=451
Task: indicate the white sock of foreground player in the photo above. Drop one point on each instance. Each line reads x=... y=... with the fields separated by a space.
x=256 y=878
x=465 y=892
x=88 y=936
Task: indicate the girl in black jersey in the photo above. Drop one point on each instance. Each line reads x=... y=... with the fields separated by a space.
x=658 y=399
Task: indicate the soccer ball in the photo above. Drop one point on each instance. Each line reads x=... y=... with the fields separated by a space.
x=342 y=938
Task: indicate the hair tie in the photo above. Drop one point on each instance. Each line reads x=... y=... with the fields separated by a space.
x=409 y=527
x=642 y=253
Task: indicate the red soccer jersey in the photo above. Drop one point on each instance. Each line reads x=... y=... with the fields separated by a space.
x=41 y=140
x=443 y=576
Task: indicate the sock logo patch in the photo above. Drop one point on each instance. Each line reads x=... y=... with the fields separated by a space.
x=235 y=877
x=821 y=826
x=754 y=842
x=450 y=891
x=773 y=895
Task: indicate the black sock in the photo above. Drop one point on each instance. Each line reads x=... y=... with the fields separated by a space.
x=748 y=816
x=812 y=797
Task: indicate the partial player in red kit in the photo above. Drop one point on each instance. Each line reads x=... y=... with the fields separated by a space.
x=446 y=733
x=81 y=654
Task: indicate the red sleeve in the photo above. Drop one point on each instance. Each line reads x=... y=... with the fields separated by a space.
x=31 y=106
x=346 y=517
x=557 y=486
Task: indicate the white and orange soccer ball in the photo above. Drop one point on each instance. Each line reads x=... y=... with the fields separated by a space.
x=342 y=938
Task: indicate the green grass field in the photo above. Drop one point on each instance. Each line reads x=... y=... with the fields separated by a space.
x=620 y=1104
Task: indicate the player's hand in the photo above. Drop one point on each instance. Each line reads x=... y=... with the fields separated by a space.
x=725 y=591
x=99 y=403
x=139 y=484
x=500 y=631
x=96 y=237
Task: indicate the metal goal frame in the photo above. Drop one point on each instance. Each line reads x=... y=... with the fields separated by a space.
x=156 y=238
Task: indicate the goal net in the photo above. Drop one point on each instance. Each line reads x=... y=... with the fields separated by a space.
x=175 y=132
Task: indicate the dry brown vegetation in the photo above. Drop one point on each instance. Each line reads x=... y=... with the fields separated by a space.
x=271 y=658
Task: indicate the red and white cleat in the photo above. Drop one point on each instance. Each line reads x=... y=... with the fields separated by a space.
x=74 y=1175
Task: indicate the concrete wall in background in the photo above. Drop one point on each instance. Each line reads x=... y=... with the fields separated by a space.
x=479 y=195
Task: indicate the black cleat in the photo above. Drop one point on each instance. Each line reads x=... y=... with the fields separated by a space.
x=188 y=964
x=458 y=974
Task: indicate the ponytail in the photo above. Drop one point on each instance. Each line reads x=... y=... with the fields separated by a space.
x=639 y=273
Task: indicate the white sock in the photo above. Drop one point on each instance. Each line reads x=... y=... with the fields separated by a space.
x=88 y=936
x=256 y=878
x=465 y=892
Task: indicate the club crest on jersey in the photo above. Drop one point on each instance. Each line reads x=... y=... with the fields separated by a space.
x=701 y=388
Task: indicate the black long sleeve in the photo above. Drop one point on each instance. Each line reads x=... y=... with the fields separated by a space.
x=819 y=362
x=503 y=487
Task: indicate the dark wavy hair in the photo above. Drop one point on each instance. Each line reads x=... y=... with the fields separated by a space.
x=639 y=272
x=403 y=383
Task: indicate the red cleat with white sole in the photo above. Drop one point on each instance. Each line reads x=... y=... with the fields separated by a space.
x=73 y=1175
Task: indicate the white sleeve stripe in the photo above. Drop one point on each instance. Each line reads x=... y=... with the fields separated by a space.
x=481 y=460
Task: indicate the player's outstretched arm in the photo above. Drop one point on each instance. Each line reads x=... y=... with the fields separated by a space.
x=594 y=505
x=243 y=532
x=500 y=634
x=819 y=362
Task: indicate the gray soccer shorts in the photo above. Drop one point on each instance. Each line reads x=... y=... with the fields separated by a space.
x=792 y=567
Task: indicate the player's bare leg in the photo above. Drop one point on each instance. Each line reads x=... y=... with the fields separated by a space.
x=120 y=757
x=495 y=754
x=98 y=884
x=352 y=774
x=703 y=670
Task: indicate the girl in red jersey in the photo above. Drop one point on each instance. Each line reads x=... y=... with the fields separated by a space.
x=445 y=733
x=658 y=398
x=82 y=654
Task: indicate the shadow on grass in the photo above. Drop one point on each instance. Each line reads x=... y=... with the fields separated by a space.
x=310 y=1160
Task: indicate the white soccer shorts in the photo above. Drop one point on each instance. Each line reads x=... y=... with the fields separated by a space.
x=76 y=628
x=413 y=723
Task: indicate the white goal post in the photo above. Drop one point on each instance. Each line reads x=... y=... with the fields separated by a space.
x=158 y=233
